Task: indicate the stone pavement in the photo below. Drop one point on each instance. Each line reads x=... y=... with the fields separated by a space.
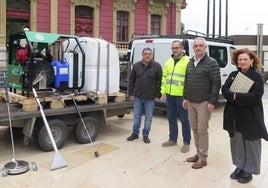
x=124 y=164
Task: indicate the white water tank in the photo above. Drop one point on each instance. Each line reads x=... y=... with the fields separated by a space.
x=101 y=66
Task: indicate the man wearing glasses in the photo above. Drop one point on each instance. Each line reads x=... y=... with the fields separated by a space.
x=172 y=92
x=144 y=89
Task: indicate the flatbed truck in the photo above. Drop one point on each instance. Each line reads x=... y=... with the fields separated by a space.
x=67 y=72
x=60 y=119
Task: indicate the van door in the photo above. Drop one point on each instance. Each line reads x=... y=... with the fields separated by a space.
x=222 y=54
x=162 y=52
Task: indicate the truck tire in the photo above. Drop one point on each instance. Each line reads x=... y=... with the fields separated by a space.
x=80 y=133
x=59 y=132
x=120 y=115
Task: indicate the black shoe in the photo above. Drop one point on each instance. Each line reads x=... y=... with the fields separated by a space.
x=146 y=139
x=244 y=177
x=132 y=137
x=236 y=174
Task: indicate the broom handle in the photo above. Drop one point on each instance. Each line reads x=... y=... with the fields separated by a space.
x=45 y=121
x=80 y=115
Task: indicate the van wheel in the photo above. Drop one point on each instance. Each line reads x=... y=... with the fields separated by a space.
x=80 y=132
x=59 y=132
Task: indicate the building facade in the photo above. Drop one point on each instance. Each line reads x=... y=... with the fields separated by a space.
x=113 y=20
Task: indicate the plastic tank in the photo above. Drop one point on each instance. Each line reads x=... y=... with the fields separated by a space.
x=61 y=69
x=101 y=67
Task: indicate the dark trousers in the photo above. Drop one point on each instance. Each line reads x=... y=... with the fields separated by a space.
x=175 y=111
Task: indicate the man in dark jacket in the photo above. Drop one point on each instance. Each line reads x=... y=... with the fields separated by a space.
x=201 y=91
x=144 y=89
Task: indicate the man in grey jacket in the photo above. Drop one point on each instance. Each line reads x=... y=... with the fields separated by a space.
x=201 y=91
x=144 y=89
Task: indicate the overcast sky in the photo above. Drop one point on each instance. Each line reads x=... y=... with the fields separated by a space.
x=243 y=16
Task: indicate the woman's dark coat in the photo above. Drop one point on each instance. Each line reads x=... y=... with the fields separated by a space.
x=245 y=114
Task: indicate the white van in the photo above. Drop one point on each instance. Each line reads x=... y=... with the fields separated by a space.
x=218 y=48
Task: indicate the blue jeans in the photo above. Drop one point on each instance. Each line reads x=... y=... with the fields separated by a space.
x=141 y=107
x=175 y=110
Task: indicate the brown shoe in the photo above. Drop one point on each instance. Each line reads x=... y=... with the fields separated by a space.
x=192 y=159
x=199 y=164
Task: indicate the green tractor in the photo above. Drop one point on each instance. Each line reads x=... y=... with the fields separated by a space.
x=45 y=61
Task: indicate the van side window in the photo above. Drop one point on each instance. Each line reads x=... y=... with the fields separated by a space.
x=219 y=53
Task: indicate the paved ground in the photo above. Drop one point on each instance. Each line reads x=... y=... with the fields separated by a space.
x=124 y=164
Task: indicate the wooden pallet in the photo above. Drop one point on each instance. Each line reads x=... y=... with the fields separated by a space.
x=56 y=102
x=27 y=104
x=30 y=104
x=13 y=97
x=104 y=98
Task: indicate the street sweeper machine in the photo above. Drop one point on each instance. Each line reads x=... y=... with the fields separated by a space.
x=53 y=82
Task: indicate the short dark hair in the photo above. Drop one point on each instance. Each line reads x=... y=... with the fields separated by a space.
x=177 y=41
x=144 y=49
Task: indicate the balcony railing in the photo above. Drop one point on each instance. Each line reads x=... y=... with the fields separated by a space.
x=121 y=46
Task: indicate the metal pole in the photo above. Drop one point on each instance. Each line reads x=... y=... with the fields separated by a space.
x=208 y=10
x=213 y=32
x=58 y=161
x=226 y=19
x=260 y=42
x=219 y=17
x=9 y=116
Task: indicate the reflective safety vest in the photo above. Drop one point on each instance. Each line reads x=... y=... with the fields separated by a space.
x=174 y=76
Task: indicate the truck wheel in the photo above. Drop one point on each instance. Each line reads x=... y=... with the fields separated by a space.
x=80 y=133
x=59 y=132
x=120 y=115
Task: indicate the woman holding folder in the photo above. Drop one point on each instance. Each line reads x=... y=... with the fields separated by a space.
x=243 y=116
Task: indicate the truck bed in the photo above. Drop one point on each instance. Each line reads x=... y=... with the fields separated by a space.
x=17 y=113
